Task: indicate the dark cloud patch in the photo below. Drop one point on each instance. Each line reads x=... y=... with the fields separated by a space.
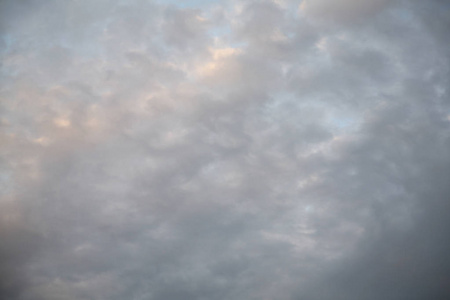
x=20 y=245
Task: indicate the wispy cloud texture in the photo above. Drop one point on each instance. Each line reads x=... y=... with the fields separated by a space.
x=224 y=150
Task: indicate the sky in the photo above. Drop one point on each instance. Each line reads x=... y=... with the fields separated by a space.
x=224 y=150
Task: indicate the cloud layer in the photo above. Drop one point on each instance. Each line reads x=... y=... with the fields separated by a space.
x=224 y=150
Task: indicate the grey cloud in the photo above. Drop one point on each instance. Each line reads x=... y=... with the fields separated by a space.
x=259 y=20
x=342 y=11
x=150 y=151
x=184 y=28
x=20 y=244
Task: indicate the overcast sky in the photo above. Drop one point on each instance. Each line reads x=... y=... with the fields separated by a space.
x=225 y=150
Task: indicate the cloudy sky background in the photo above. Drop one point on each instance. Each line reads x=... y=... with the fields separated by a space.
x=232 y=149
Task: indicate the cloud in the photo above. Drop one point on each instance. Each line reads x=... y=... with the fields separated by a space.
x=342 y=11
x=239 y=150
